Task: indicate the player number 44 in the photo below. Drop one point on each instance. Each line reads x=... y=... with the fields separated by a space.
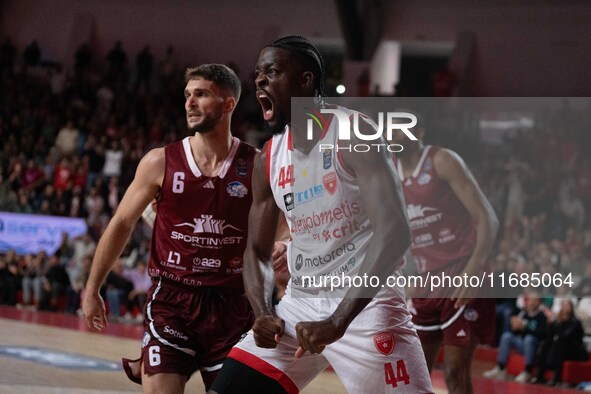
x=286 y=176
x=400 y=376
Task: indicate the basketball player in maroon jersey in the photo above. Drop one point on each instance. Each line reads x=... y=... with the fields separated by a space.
x=453 y=230
x=196 y=308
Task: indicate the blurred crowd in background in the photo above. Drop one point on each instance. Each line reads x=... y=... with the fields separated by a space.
x=72 y=139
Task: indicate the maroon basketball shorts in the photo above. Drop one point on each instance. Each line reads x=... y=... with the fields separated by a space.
x=188 y=329
x=436 y=319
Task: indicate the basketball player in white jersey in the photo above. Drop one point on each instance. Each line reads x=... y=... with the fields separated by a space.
x=340 y=223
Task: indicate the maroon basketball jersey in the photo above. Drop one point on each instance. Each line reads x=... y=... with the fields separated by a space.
x=199 y=234
x=443 y=232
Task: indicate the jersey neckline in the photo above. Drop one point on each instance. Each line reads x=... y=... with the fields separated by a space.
x=225 y=167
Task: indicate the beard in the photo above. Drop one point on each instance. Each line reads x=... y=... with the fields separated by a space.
x=208 y=123
x=280 y=124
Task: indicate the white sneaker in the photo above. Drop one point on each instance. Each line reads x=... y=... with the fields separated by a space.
x=523 y=377
x=495 y=373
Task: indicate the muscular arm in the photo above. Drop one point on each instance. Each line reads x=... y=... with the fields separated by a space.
x=143 y=189
x=383 y=200
x=259 y=279
x=451 y=168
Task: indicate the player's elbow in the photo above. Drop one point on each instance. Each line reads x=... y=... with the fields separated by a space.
x=492 y=221
x=122 y=224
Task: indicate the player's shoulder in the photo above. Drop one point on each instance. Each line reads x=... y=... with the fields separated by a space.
x=260 y=158
x=444 y=156
x=155 y=156
x=247 y=148
x=447 y=162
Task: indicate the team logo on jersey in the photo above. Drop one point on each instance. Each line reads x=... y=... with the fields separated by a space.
x=241 y=167
x=421 y=217
x=207 y=224
x=209 y=185
x=236 y=189
x=299 y=262
x=330 y=182
x=327 y=159
x=424 y=178
x=289 y=201
x=471 y=314
x=384 y=342
x=236 y=262
x=417 y=211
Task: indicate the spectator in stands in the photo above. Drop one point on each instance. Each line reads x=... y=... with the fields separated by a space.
x=113 y=194
x=68 y=139
x=32 y=54
x=7 y=56
x=94 y=205
x=117 y=289
x=33 y=279
x=63 y=175
x=65 y=249
x=168 y=67
x=22 y=204
x=144 y=64
x=77 y=284
x=113 y=160
x=10 y=277
x=82 y=60
x=583 y=289
x=117 y=59
x=32 y=176
x=96 y=160
x=7 y=195
x=82 y=248
x=141 y=284
x=528 y=328
x=506 y=306
x=55 y=284
x=564 y=341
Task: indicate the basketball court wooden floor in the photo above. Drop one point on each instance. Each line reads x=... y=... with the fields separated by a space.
x=52 y=353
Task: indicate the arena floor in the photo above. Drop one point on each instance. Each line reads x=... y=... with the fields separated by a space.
x=51 y=353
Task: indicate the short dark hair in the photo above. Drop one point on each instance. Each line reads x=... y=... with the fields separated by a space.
x=221 y=75
x=309 y=53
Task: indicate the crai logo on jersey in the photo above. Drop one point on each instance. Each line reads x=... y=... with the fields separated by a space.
x=206 y=224
x=387 y=122
x=419 y=216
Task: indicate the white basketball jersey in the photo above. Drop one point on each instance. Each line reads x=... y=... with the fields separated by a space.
x=321 y=200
